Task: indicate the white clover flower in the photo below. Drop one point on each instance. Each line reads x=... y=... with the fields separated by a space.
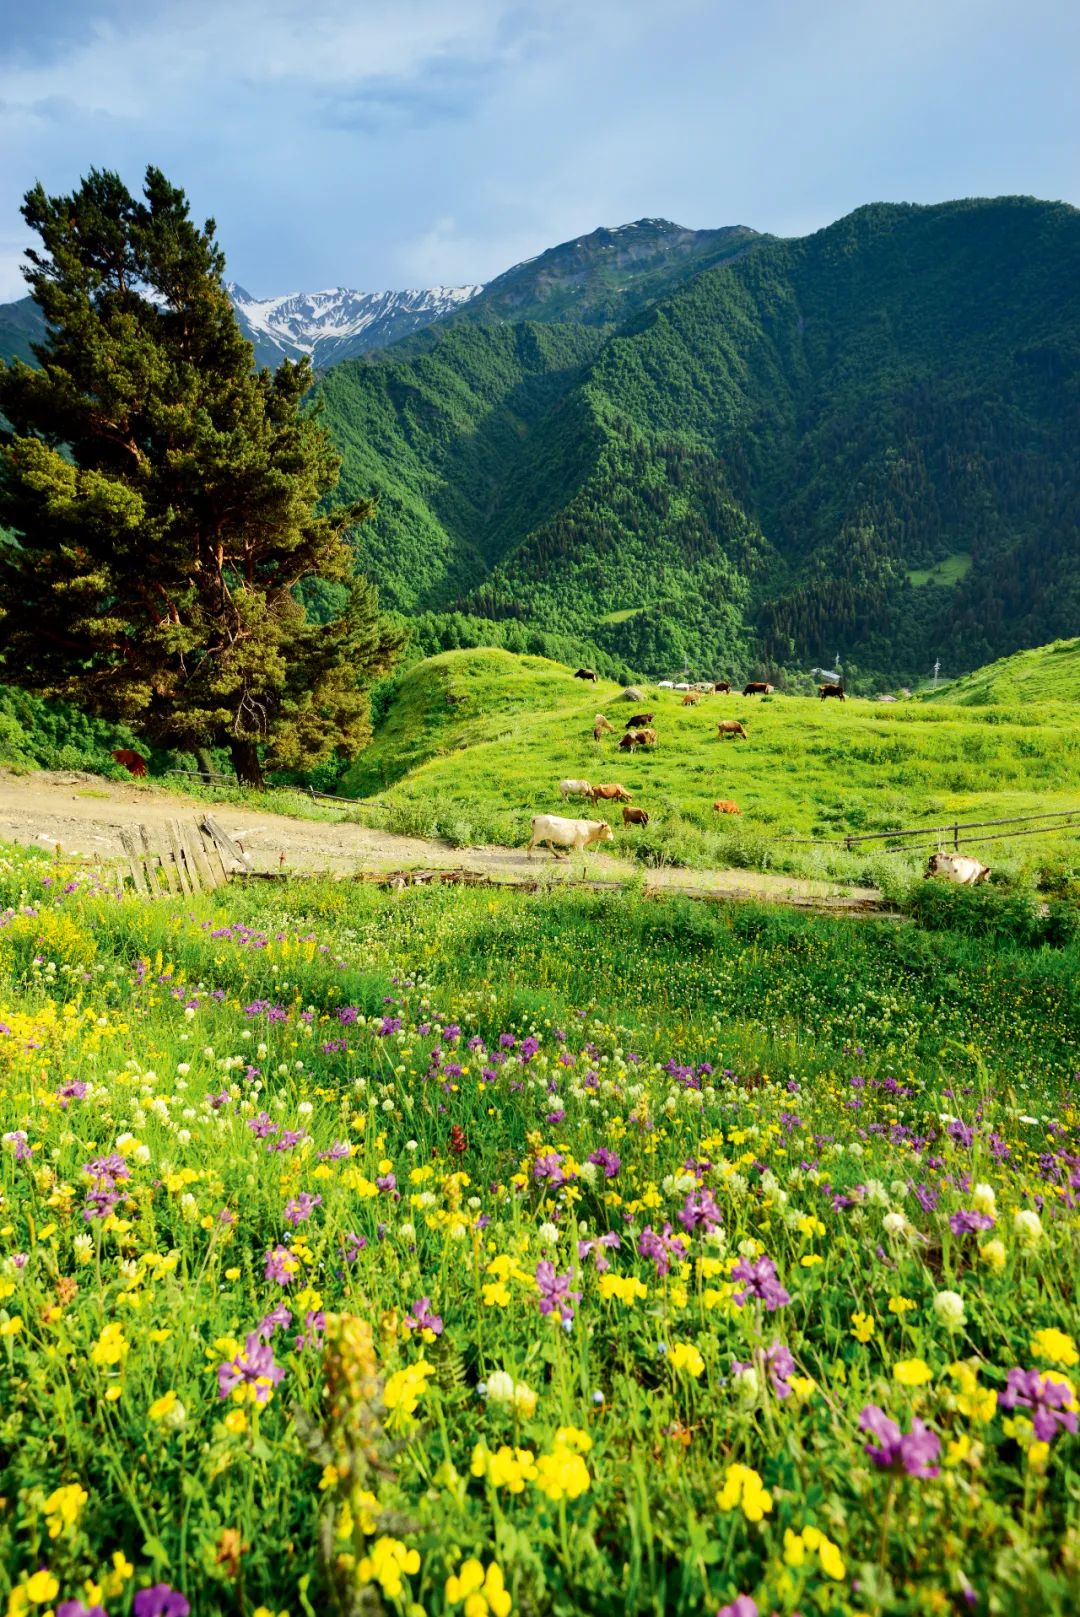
x=589 y=1173
x=874 y=1191
x=898 y=1190
x=500 y=1388
x=189 y=1207
x=183 y=1068
x=895 y=1224
x=407 y=1232
x=949 y=1308
x=747 y=1384
x=1027 y=1227
x=548 y=1234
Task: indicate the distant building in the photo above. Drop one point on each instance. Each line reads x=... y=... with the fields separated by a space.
x=830 y=674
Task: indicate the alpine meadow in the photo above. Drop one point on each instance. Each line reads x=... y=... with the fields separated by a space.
x=539 y=816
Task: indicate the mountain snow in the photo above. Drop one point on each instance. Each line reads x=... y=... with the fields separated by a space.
x=339 y=322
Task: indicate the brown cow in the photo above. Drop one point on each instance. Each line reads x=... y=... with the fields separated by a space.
x=638 y=720
x=609 y=794
x=602 y=722
x=757 y=687
x=586 y=673
x=638 y=738
x=832 y=690
x=724 y=805
x=634 y=816
x=731 y=727
x=131 y=761
x=723 y=687
x=691 y=699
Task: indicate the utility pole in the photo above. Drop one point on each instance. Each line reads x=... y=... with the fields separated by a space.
x=937 y=670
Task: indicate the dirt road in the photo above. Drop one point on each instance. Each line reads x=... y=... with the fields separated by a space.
x=83 y=814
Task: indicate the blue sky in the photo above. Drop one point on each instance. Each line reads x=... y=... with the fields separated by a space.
x=391 y=143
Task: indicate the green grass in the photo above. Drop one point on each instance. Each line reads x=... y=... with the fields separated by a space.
x=356 y=1106
x=624 y=616
x=944 y=573
x=480 y=765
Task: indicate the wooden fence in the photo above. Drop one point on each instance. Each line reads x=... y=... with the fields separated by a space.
x=1065 y=820
x=192 y=856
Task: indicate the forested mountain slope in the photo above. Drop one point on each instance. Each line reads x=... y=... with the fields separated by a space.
x=751 y=467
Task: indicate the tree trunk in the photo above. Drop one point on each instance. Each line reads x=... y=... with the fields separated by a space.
x=245 y=758
x=205 y=763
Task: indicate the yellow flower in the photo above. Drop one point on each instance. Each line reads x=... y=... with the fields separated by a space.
x=563 y=1474
x=42 y=1586
x=901 y=1306
x=993 y=1254
x=405 y=1388
x=505 y=1468
x=743 y=1487
x=388 y=1560
x=110 y=1347
x=863 y=1326
x=163 y=1406
x=1054 y=1346
x=813 y=1540
x=978 y=1403
x=496 y=1294
x=685 y=1356
x=912 y=1372
x=11 y=1327
x=235 y=1422
x=63 y=1507
x=482 y=1592
x=625 y=1287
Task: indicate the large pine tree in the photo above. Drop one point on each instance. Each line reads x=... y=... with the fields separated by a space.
x=167 y=500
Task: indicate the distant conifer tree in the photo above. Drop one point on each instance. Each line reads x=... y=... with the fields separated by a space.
x=166 y=500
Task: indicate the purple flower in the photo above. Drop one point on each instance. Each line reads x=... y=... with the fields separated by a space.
x=160 y=1601
x=354 y=1245
x=1047 y=1398
x=423 y=1319
x=99 y=1203
x=277 y=1317
x=253 y=1367
x=262 y=1125
x=300 y=1209
x=661 y=1248
x=18 y=1142
x=760 y=1282
x=894 y=1450
x=967 y=1222
x=105 y=1171
x=597 y=1246
x=75 y=1090
x=741 y=1606
x=550 y=1167
x=555 y=1293
x=347 y=1015
x=388 y=1025
x=277 y=1260
x=603 y=1158
x=75 y=1608
x=699 y=1211
x=339 y=1149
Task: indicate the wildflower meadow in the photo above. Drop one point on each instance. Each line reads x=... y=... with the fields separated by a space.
x=493 y=1253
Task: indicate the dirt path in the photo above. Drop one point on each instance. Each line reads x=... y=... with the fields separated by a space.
x=83 y=814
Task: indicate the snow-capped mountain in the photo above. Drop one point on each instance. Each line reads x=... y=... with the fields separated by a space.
x=340 y=323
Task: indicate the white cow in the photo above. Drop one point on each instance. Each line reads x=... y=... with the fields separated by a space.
x=665 y=684
x=953 y=867
x=575 y=788
x=575 y=835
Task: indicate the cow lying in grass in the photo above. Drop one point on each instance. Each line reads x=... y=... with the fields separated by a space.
x=573 y=835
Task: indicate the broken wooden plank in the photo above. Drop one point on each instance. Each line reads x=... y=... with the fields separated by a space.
x=135 y=861
x=183 y=875
x=201 y=867
x=228 y=849
x=151 y=864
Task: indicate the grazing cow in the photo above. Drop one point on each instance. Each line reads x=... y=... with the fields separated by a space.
x=682 y=685
x=634 y=816
x=691 y=699
x=574 y=835
x=602 y=722
x=724 y=805
x=609 y=794
x=598 y=730
x=953 y=867
x=722 y=687
x=586 y=673
x=638 y=738
x=131 y=761
x=574 y=788
x=665 y=684
x=757 y=687
x=638 y=720
x=832 y=690
x=730 y=727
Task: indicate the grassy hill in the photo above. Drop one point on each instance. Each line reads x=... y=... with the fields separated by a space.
x=474 y=743
x=1045 y=674
x=752 y=467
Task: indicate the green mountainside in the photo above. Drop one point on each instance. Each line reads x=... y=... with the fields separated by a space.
x=745 y=473
x=1042 y=674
